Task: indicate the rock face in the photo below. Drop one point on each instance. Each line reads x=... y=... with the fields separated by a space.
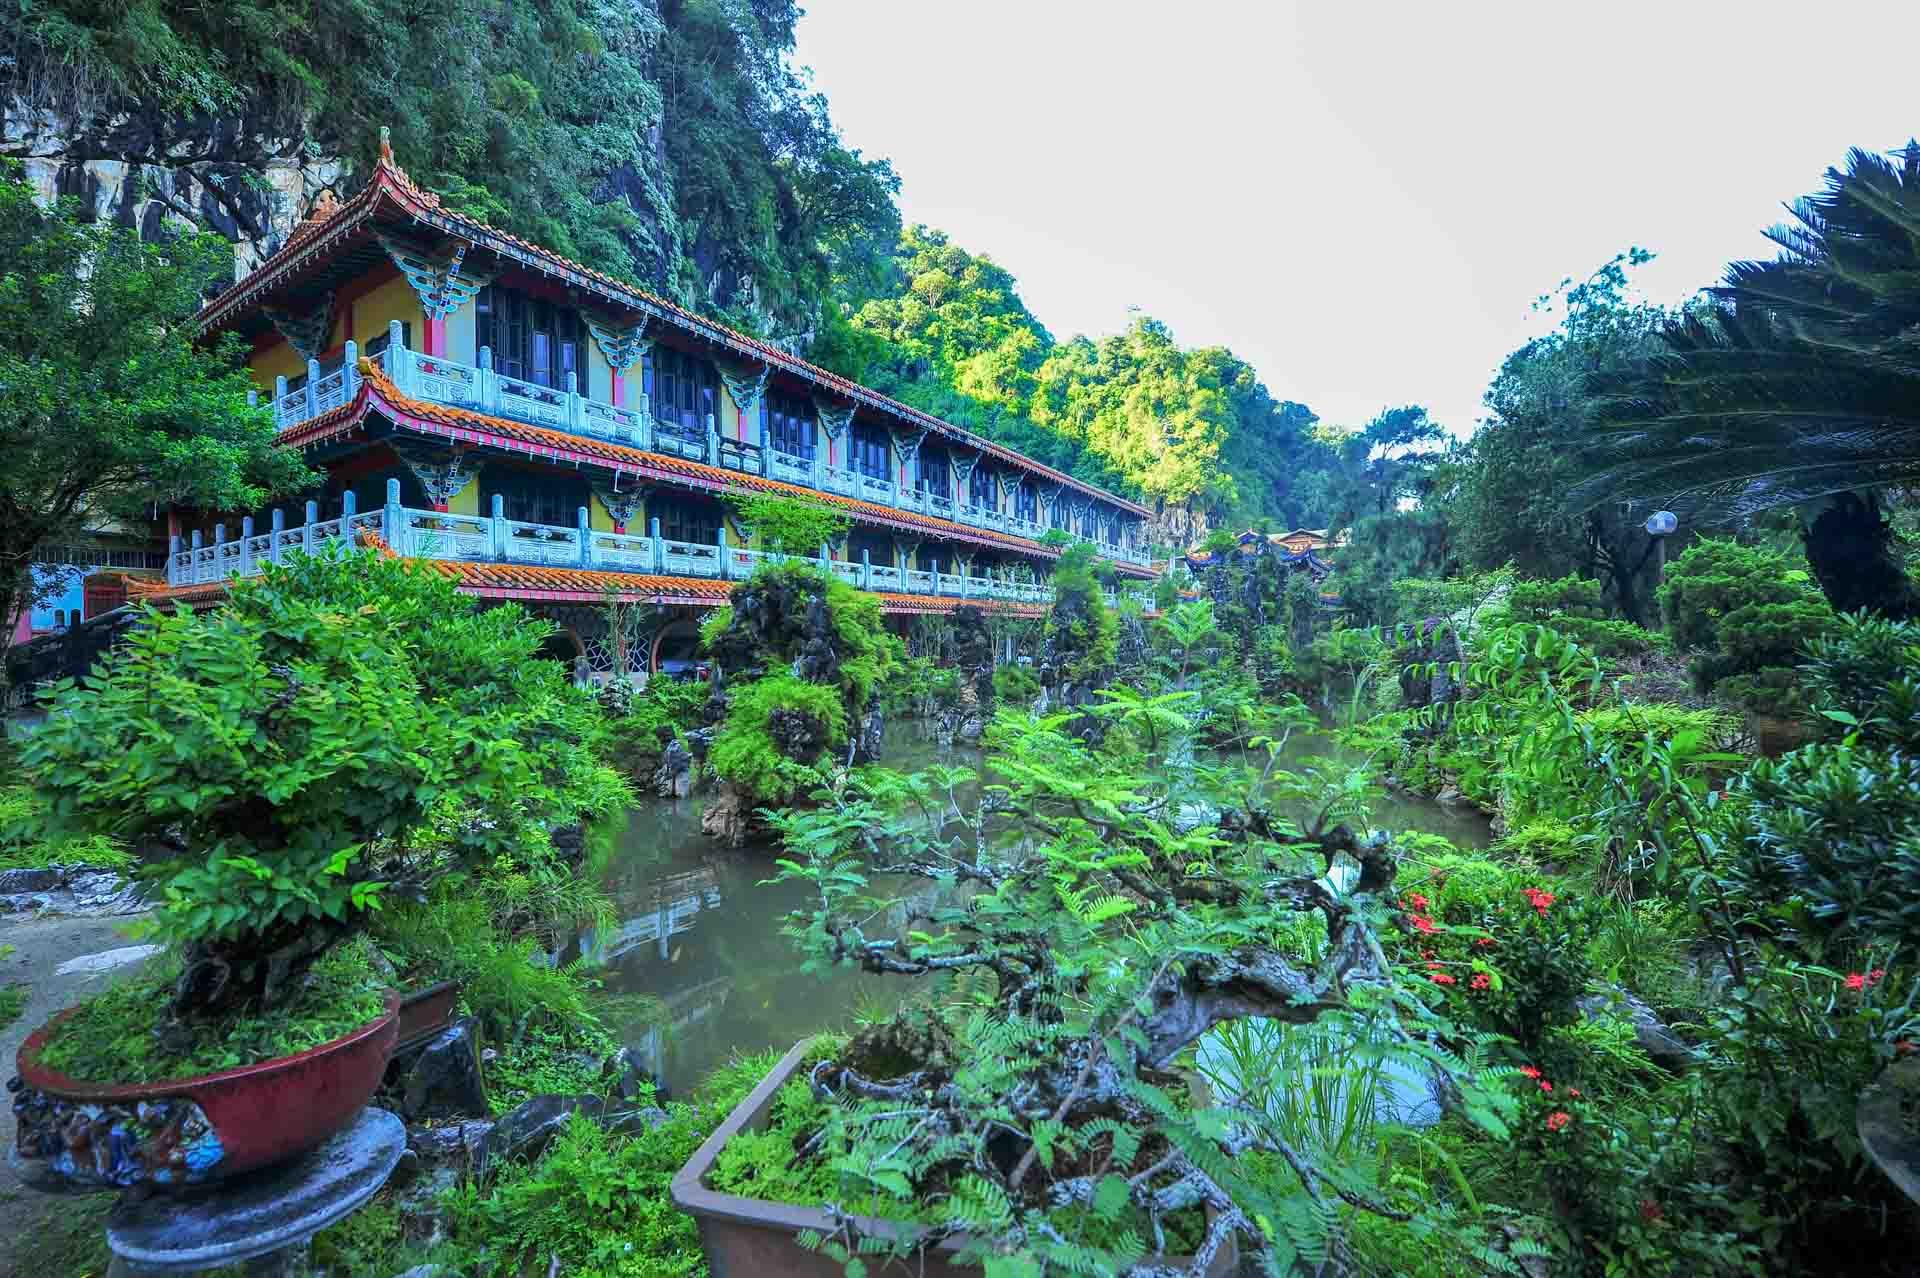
x=232 y=176
x=1427 y=670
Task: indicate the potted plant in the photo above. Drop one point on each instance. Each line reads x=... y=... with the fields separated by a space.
x=1035 y=1112
x=275 y=760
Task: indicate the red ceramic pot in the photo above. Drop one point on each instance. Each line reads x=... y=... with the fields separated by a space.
x=232 y=1122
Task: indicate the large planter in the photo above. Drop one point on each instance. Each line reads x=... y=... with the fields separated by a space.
x=188 y=1131
x=750 y=1237
x=1886 y=1120
x=1775 y=735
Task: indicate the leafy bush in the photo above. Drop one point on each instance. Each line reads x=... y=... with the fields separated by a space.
x=1863 y=676
x=1572 y=607
x=288 y=744
x=1744 y=612
x=789 y=525
x=662 y=710
x=1015 y=685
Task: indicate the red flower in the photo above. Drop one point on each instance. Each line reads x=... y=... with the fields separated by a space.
x=1424 y=923
x=1419 y=901
x=1650 y=1210
x=1545 y=1086
x=1557 y=1119
x=1441 y=978
x=1855 y=981
x=1484 y=942
x=1480 y=981
x=1531 y=1071
x=1876 y=975
x=1539 y=899
x=1573 y=1091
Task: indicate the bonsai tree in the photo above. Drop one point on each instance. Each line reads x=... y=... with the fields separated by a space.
x=1039 y=1105
x=274 y=756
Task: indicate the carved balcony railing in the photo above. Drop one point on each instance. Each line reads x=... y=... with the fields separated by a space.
x=481 y=388
x=494 y=538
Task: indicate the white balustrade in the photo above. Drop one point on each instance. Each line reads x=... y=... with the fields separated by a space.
x=542 y=544
x=886 y=577
x=480 y=388
x=432 y=535
x=689 y=559
x=624 y=552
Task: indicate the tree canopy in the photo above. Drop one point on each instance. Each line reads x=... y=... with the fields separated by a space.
x=105 y=404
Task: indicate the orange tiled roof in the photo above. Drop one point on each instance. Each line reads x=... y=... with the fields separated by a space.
x=540 y=584
x=329 y=225
x=463 y=424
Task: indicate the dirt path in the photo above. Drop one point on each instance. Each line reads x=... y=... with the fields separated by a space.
x=39 y=948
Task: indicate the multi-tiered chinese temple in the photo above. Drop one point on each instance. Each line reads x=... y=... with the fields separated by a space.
x=552 y=435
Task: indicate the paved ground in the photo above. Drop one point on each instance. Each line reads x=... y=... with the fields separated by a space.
x=39 y=948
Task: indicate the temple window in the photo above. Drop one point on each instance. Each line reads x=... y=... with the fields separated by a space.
x=980 y=489
x=869 y=453
x=683 y=391
x=534 y=497
x=1026 y=503
x=532 y=339
x=934 y=471
x=378 y=345
x=687 y=519
x=790 y=425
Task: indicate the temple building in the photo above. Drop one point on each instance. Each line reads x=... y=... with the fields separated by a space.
x=552 y=435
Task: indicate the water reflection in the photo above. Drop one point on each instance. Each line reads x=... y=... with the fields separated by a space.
x=700 y=931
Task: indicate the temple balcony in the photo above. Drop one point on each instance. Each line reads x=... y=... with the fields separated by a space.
x=478 y=388
x=429 y=534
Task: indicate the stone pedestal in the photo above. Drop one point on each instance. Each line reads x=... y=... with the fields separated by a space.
x=263 y=1219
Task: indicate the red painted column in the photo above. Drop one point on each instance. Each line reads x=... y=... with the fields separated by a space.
x=436 y=336
x=740 y=424
x=619 y=389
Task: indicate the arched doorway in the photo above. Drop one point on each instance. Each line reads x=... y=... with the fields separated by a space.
x=676 y=649
x=563 y=646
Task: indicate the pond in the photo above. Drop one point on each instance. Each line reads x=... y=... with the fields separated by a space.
x=700 y=931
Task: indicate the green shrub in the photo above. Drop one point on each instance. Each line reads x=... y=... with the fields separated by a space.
x=292 y=742
x=1572 y=607
x=1863 y=676
x=1015 y=685
x=789 y=525
x=508 y=983
x=745 y=751
x=1743 y=612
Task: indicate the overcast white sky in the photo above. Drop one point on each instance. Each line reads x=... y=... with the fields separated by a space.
x=1360 y=199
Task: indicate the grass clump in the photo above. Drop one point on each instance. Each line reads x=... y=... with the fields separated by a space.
x=24 y=847
x=13 y=1001
x=110 y=1037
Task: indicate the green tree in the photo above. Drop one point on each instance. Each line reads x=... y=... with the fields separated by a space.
x=1514 y=503
x=106 y=406
x=1797 y=387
